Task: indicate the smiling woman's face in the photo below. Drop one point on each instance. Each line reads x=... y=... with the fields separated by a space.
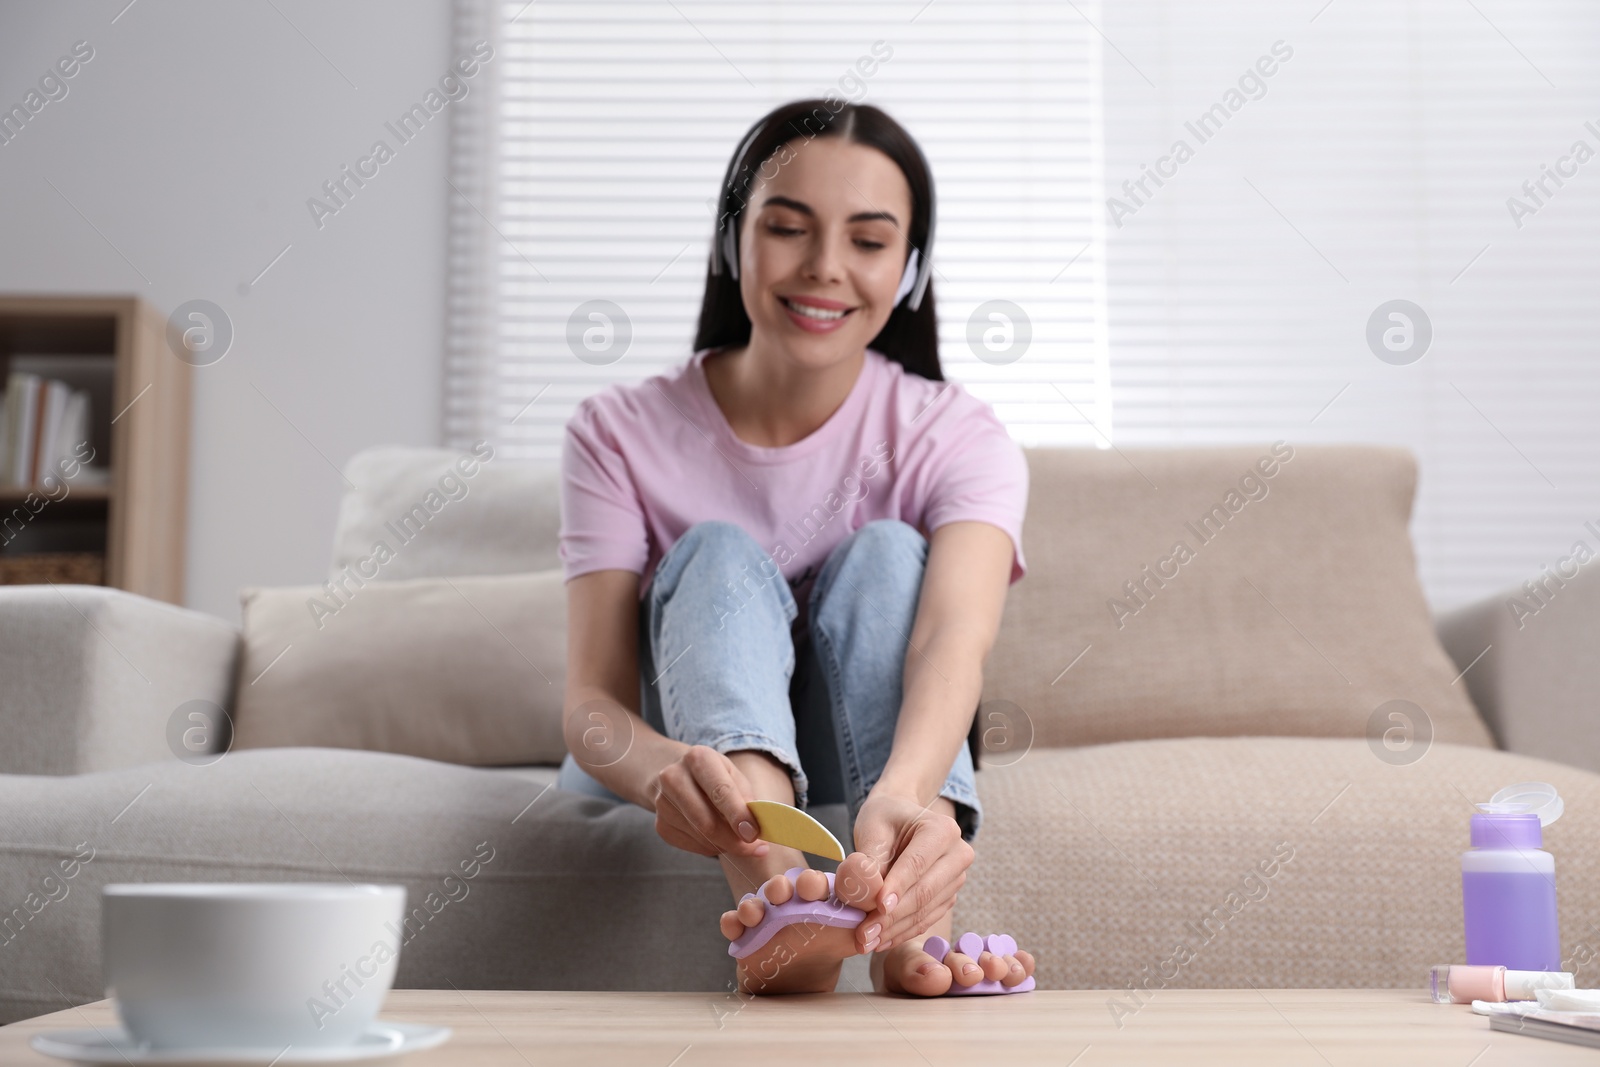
x=822 y=246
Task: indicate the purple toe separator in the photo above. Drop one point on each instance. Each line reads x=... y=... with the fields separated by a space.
x=829 y=911
x=971 y=944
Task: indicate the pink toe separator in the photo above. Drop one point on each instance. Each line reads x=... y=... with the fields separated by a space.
x=970 y=944
x=829 y=911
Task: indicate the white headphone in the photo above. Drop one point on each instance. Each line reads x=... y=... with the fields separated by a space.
x=725 y=247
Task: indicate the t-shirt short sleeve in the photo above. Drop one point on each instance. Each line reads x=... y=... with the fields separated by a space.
x=983 y=478
x=602 y=519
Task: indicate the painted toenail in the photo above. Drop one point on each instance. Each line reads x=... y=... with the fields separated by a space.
x=969 y=968
x=926 y=969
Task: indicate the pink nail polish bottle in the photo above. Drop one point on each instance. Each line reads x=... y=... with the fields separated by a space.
x=1462 y=985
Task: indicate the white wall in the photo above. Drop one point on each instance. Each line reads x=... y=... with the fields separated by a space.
x=192 y=141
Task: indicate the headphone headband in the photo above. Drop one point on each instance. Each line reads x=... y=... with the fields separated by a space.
x=725 y=249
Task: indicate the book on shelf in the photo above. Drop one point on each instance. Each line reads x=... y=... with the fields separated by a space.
x=43 y=421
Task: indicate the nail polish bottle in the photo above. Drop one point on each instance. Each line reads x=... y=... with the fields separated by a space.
x=1462 y=985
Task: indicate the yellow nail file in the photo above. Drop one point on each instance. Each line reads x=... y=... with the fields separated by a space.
x=781 y=824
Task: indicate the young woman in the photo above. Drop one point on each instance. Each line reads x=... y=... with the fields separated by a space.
x=795 y=548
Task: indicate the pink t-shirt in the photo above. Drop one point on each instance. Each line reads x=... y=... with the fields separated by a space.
x=645 y=461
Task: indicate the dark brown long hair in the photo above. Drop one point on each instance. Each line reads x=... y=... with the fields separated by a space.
x=910 y=338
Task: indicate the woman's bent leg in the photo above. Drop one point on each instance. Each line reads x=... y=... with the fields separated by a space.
x=574 y=777
x=861 y=610
x=718 y=619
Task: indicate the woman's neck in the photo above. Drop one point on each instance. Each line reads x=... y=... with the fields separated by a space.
x=772 y=401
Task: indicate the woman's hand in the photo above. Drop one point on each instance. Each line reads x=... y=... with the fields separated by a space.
x=702 y=805
x=923 y=861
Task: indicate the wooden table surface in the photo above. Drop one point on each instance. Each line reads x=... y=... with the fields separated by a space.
x=1282 y=1027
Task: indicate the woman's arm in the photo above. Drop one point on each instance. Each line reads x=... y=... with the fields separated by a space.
x=604 y=731
x=963 y=595
x=698 y=795
x=925 y=860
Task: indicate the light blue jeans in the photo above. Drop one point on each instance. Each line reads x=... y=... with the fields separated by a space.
x=720 y=617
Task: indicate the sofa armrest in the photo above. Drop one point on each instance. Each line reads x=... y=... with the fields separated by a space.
x=90 y=676
x=1538 y=683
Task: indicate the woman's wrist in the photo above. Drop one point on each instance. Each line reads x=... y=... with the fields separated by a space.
x=919 y=762
x=906 y=783
x=633 y=776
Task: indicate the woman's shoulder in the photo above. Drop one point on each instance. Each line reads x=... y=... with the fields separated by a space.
x=952 y=434
x=923 y=404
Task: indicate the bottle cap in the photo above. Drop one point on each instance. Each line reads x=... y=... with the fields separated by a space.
x=1527 y=798
x=1525 y=985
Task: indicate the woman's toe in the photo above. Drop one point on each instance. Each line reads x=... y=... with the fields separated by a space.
x=732 y=928
x=994 y=967
x=919 y=973
x=964 y=970
x=857 y=881
x=751 y=910
x=778 y=889
x=1014 y=975
x=811 y=885
x=1026 y=959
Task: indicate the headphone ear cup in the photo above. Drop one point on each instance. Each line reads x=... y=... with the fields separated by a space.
x=921 y=285
x=908 y=278
x=730 y=247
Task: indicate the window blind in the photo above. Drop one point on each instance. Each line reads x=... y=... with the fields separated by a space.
x=1374 y=164
x=590 y=173
x=1387 y=156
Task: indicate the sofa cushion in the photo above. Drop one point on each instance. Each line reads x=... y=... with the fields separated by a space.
x=1296 y=609
x=1097 y=858
x=1264 y=590
x=442 y=512
x=561 y=890
x=463 y=670
x=1109 y=856
x=93 y=676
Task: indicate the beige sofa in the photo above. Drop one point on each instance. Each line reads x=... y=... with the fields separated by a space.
x=1193 y=774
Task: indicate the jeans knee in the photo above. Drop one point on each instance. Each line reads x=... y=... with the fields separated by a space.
x=885 y=546
x=886 y=554
x=726 y=544
x=727 y=558
x=717 y=532
x=891 y=534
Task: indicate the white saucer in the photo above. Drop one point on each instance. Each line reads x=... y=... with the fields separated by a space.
x=112 y=1046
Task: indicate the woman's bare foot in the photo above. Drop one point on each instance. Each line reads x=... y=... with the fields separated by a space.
x=908 y=969
x=802 y=957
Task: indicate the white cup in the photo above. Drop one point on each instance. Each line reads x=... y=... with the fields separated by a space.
x=249 y=965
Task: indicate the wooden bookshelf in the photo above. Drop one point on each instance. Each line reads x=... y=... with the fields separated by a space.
x=140 y=432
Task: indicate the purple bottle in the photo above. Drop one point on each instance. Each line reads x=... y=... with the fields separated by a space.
x=1508 y=882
